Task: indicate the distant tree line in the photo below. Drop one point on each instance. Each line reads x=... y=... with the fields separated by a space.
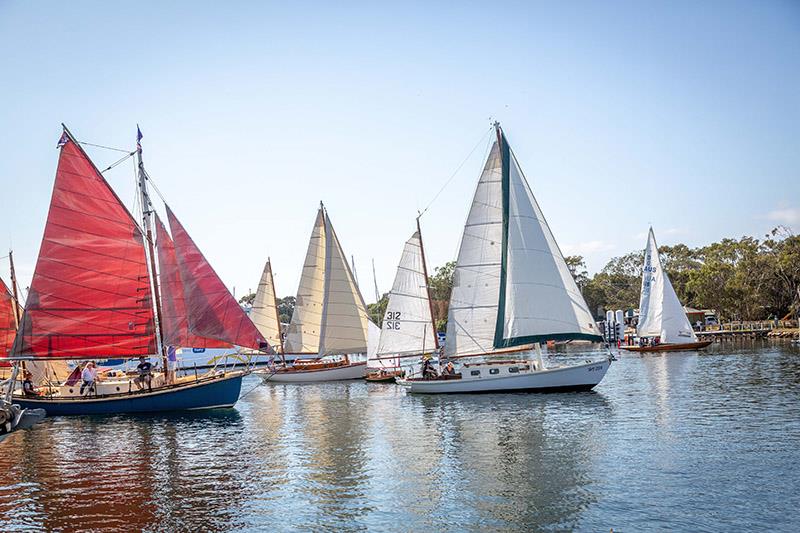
x=744 y=279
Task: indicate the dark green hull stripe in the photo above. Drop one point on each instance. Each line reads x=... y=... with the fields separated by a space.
x=531 y=339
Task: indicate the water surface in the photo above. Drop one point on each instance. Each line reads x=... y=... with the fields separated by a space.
x=693 y=442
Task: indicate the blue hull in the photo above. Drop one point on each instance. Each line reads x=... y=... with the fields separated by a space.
x=205 y=394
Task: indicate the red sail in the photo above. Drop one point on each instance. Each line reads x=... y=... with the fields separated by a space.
x=210 y=308
x=174 y=323
x=90 y=294
x=8 y=321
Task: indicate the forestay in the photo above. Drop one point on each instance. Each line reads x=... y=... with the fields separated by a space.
x=660 y=312
x=407 y=326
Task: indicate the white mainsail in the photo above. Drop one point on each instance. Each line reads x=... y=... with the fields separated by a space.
x=330 y=316
x=660 y=312
x=407 y=326
x=511 y=285
x=264 y=312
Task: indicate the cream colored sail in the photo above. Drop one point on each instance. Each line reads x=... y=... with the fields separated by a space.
x=344 y=316
x=407 y=326
x=511 y=285
x=330 y=316
x=264 y=312
x=660 y=312
x=305 y=328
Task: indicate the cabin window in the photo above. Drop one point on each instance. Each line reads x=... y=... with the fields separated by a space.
x=494 y=370
x=475 y=373
x=513 y=370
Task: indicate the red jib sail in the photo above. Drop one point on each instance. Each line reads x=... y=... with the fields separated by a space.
x=174 y=322
x=90 y=294
x=211 y=310
x=8 y=321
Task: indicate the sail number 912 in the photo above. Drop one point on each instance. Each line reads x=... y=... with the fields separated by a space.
x=392 y=320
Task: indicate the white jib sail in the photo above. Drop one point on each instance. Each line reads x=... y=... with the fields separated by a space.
x=541 y=296
x=472 y=315
x=660 y=312
x=305 y=327
x=264 y=312
x=407 y=326
x=344 y=316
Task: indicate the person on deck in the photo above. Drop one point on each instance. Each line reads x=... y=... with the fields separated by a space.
x=428 y=371
x=27 y=385
x=145 y=369
x=449 y=369
x=89 y=376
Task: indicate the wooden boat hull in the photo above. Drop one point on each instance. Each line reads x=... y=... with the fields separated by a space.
x=384 y=377
x=220 y=391
x=668 y=347
x=296 y=375
x=581 y=377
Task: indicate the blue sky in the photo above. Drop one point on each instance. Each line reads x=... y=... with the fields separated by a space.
x=685 y=115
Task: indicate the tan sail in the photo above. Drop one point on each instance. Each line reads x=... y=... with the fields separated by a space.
x=329 y=316
x=264 y=313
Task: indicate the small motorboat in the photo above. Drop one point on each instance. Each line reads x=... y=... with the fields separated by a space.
x=668 y=347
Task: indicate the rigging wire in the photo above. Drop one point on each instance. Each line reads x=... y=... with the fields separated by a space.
x=458 y=169
x=118 y=162
x=104 y=147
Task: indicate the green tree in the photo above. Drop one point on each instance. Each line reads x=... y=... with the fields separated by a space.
x=247 y=299
x=378 y=310
x=441 y=285
x=577 y=266
x=286 y=308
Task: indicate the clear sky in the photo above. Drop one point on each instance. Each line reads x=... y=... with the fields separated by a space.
x=685 y=115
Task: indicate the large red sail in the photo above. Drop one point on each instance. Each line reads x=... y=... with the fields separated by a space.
x=211 y=310
x=8 y=321
x=90 y=296
x=174 y=324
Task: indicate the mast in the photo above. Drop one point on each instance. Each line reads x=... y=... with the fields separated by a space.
x=147 y=210
x=427 y=290
x=17 y=316
x=277 y=314
x=326 y=279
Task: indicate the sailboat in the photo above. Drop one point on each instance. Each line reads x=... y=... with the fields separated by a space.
x=96 y=294
x=12 y=416
x=264 y=312
x=330 y=321
x=512 y=291
x=408 y=327
x=661 y=314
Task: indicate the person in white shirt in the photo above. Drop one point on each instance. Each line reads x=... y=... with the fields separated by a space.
x=89 y=376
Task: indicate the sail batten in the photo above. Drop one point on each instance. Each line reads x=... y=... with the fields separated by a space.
x=90 y=294
x=211 y=311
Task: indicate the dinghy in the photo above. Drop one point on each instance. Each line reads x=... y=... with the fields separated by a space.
x=96 y=294
x=511 y=292
x=329 y=325
x=661 y=314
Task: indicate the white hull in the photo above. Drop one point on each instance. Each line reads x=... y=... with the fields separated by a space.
x=351 y=371
x=565 y=378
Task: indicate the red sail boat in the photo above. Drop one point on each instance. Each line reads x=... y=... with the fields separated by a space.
x=95 y=295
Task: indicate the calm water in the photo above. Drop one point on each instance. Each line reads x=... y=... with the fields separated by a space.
x=678 y=442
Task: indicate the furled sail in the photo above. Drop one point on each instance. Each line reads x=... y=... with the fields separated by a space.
x=660 y=312
x=329 y=316
x=8 y=320
x=210 y=309
x=90 y=294
x=264 y=312
x=511 y=285
x=174 y=321
x=407 y=326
